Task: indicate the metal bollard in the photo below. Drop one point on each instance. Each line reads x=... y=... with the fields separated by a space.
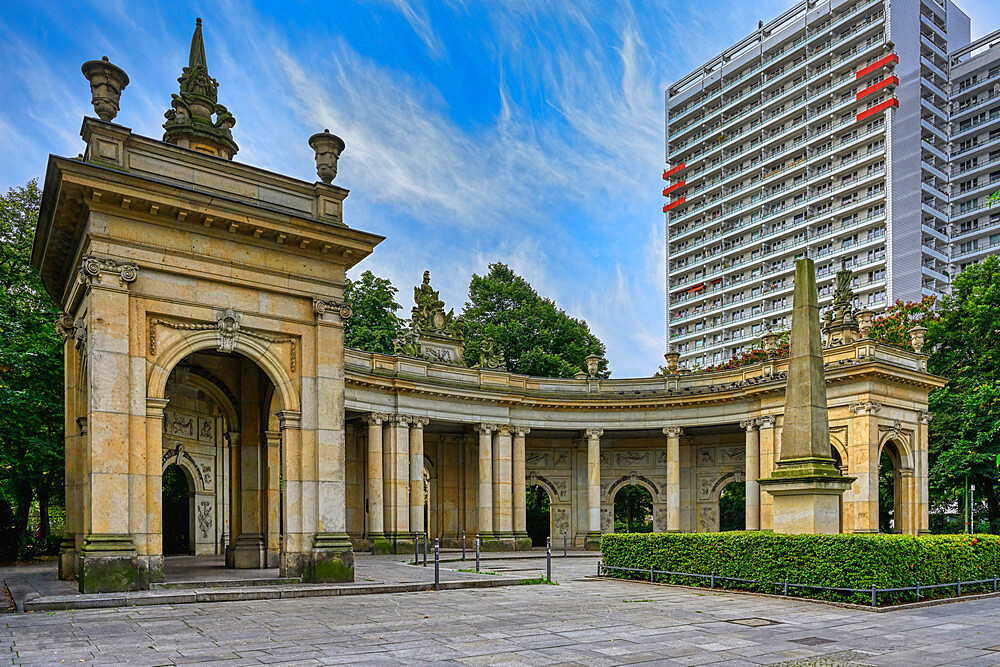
x=959 y=589
x=650 y=574
x=416 y=549
x=463 y=545
x=598 y=568
x=994 y=582
x=437 y=563
x=564 y=544
x=786 y=587
x=874 y=594
x=425 y=549
x=477 y=553
x=918 y=590
x=711 y=581
x=548 y=558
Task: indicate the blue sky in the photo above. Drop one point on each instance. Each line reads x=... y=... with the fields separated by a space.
x=523 y=131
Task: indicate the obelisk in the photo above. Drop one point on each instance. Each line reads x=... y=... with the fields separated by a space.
x=806 y=485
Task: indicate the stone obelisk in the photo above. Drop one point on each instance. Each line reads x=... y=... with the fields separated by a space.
x=806 y=486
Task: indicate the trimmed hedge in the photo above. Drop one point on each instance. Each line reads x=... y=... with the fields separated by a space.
x=844 y=561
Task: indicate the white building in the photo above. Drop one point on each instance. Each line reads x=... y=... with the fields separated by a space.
x=975 y=151
x=824 y=132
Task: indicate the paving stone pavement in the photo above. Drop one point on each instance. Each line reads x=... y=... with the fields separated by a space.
x=581 y=621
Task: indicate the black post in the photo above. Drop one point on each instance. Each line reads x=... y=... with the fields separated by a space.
x=463 y=545
x=548 y=558
x=425 y=549
x=416 y=549
x=437 y=563
x=477 y=553
x=564 y=544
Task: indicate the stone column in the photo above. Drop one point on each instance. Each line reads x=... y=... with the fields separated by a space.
x=73 y=521
x=332 y=553
x=272 y=441
x=767 y=447
x=484 y=498
x=593 y=541
x=863 y=459
x=107 y=559
x=673 y=434
x=417 y=474
x=521 y=538
x=503 y=500
x=376 y=508
x=296 y=537
x=154 y=486
x=249 y=546
x=235 y=499
x=922 y=518
x=752 y=474
x=397 y=483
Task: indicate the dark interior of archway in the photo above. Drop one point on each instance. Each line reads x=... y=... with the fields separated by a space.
x=633 y=510
x=538 y=515
x=176 y=512
x=887 y=491
x=733 y=507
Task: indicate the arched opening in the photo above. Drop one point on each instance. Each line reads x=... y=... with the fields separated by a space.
x=538 y=519
x=733 y=506
x=889 y=487
x=178 y=498
x=633 y=509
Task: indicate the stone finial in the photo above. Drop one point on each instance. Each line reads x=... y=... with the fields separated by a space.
x=190 y=121
x=672 y=356
x=918 y=335
x=770 y=341
x=328 y=148
x=107 y=82
x=865 y=318
x=593 y=363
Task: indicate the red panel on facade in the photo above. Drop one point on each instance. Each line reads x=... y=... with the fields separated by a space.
x=892 y=102
x=676 y=202
x=673 y=187
x=891 y=81
x=891 y=58
x=670 y=172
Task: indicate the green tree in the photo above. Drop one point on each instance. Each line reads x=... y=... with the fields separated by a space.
x=31 y=370
x=893 y=326
x=965 y=348
x=733 y=507
x=533 y=334
x=633 y=510
x=374 y=324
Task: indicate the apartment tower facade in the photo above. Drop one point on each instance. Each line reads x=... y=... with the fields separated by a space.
x=824 y=133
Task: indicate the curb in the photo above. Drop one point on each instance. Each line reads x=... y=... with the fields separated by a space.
x=191 y=596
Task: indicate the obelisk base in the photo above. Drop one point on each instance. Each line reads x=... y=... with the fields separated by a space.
x=806 y=496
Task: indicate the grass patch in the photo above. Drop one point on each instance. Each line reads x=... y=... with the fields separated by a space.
x=474 y=571
x=538 y=580
x=636 y=600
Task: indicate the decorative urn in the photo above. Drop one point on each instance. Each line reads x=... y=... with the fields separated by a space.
x=107 y=82
x=328 y=148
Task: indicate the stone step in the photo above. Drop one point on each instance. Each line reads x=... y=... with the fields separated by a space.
x=225 y=583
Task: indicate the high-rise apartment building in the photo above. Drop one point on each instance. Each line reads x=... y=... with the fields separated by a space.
x=975 y=151
x=823 y=133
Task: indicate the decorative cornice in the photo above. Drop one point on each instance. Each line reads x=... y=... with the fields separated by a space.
x=594 y=433
x=673 y=431
x=92 y=270
x=865 y=407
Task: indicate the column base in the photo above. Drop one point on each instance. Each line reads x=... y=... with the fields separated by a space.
x=806 y=496
x=332 y=559
x=67 y=558
x=150 y=569
x=108 y=563
x=522 y=541
x=248 y=552
x=592 y=542
x=400 y=543
x=380 y=544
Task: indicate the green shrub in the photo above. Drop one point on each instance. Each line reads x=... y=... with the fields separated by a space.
x=843 y=561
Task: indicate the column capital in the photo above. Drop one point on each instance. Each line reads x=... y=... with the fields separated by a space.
x=485 y=428
x=594 y=433
x=925 y=416
x=673 y=431
x=865 y=407
x=398 y=418
x=289 y=419
x=520 y=430
x=272 y=438
x=337 y=312
x=749 y=425
x=233 y=438
x=93 y=270
x=155 y=406
x=765 y=421
x=374 y=418
x=419 y=422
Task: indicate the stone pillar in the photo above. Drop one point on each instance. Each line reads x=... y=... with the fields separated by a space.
x=752 y=474
x=249 y=546
x=376 y=508
x=503 y=499
x=297 y=536
x=234 y=490
x=107 y=558
x=767 y=446
x=332 y=553
x=417 y=475
x=154 y=486
x=396 y=461
x=521 y=538
x=74 y=458
x=922 y=480
x=484 y=498
x=863 y=460
x=673 y=434
x=272 y=441
x=593 y=541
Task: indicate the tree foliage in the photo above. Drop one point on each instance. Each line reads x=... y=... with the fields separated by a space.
x=965 y=348
x=31 y=372
x=374 y=324
x=893 y=326
x=633 y=510
x=534 y=335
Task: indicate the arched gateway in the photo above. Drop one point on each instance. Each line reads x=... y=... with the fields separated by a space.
x=202 y=307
